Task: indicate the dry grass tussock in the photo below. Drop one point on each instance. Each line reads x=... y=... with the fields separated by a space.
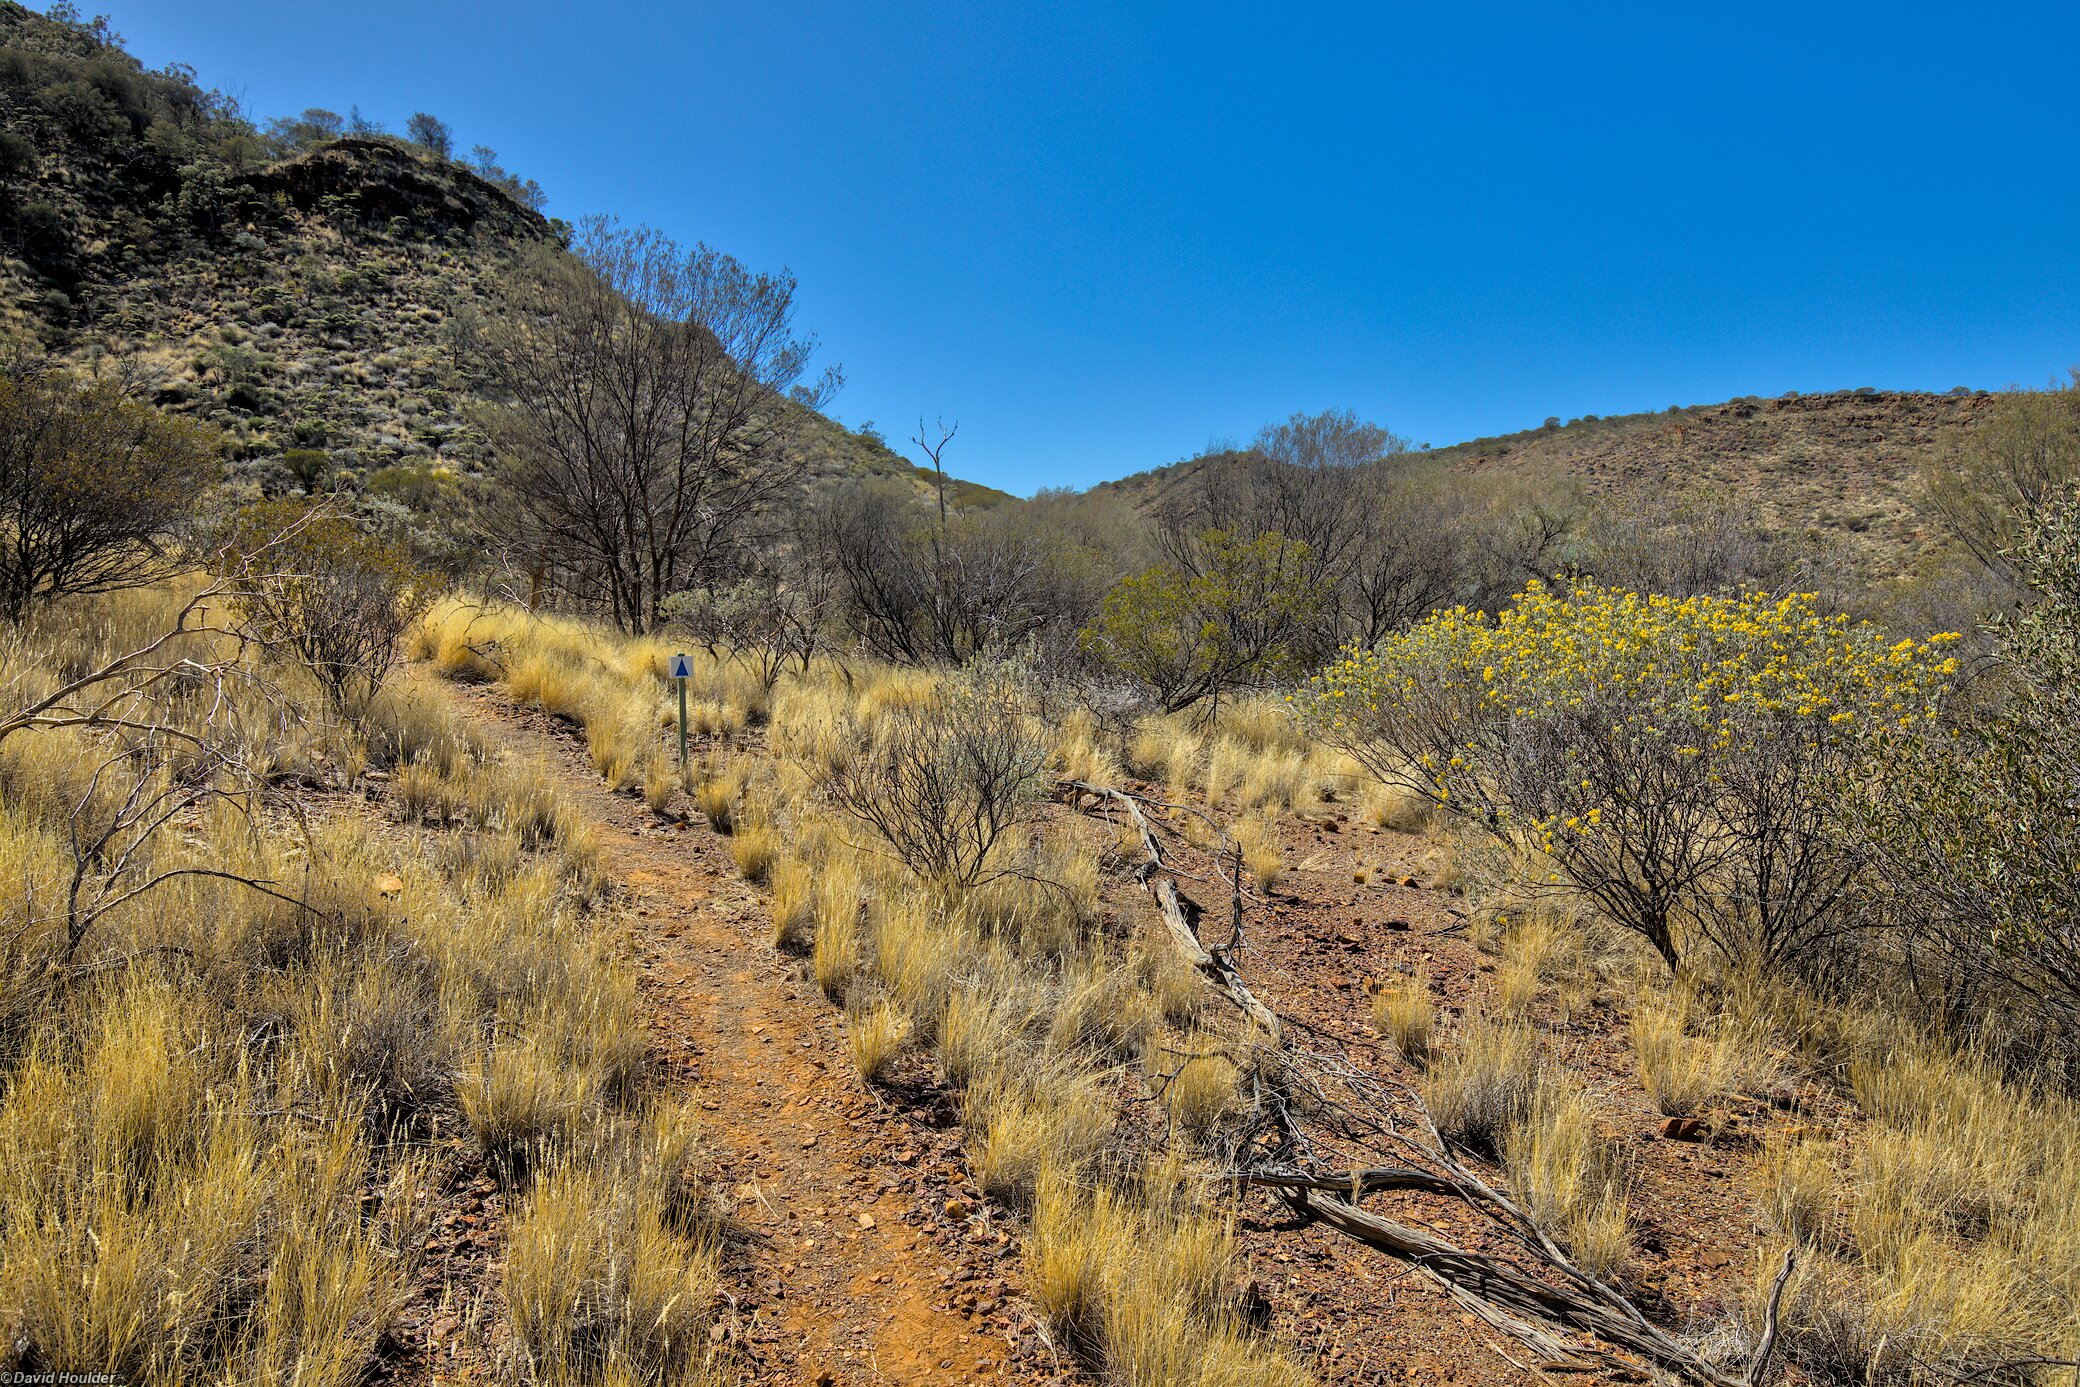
x=1406 y=1015
x=1253 y=757
x=219 y=1115
x=1136 y=1275
x=1947 y=1243
x=1689 y=1060
x=1490 y=1091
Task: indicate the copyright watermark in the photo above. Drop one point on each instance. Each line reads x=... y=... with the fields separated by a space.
x=60 y=1379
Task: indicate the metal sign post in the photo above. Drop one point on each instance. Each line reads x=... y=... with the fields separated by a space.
x=681 y=668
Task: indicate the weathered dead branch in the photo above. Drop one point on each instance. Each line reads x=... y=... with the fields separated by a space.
x=1514 y=1301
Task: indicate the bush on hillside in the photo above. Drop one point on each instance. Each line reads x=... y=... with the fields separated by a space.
x=93 y=487
x=1187 y=637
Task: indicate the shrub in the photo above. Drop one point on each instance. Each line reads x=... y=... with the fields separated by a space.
x=318 y=590
x=1682 y=762
x=947 y=783
x=1192 y=635
x=1973 y=828
x=93 y=486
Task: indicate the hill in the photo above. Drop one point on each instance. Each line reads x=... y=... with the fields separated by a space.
x=297 y=288
x=1833 y=469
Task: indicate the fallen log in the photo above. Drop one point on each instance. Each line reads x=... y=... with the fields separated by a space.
x=1506 y=1297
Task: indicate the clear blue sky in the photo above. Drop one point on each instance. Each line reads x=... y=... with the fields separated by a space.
x=1101 y=233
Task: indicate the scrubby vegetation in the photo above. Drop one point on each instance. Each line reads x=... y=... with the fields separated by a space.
x=291 y=950
x=249 y=1037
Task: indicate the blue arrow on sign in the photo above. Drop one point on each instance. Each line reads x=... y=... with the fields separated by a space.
x=682 y=667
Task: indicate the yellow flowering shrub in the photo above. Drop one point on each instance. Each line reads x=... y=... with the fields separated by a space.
x=1681 y=760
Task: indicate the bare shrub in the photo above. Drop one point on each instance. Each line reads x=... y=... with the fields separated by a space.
x=645 y=419
x=947 y=784
x=322 y=593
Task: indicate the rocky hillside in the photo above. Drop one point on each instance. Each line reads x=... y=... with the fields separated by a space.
x=301 y=296
x=1834 y=469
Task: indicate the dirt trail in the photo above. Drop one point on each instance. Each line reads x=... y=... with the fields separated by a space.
x=843 y=1263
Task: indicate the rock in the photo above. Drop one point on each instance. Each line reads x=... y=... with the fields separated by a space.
x=957 y=1209
x=1410 y=881
x=1398 y=925
x=1256 y=1305
x=1680 y=1129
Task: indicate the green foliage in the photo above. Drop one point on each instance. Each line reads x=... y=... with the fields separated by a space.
x=93 y=486
x=1187 y=637
x=1686 y=763
x=1977 y=830
x=431 y=134
x=311 y=467
x=1994 y=486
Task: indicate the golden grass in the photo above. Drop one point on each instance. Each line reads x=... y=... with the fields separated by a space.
x=755 y=846
x=793 y=904
x=1565 y=1173
x=215 y=1137
x=603 y=1283
x=1032 y=1121
x=1100 y=1011
x=916 y=954
x=1136 y=1280
x=1681 y=1073
x=1797 y=1187
x=1395 y=807
x=1483 y=1083
x=1257 y=838
x=1198 y=1084
x=718 y=795
x=875 y=1037
x=834 y=951
x=1080 y=752
x=1176 y=989
x=1406 y=1016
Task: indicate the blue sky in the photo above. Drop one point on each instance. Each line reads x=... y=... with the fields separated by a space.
x=1103 y=234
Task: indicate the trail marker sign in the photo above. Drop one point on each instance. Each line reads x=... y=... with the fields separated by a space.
x=681 y=670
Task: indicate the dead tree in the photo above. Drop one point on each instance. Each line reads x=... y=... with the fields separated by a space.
x=940 y=436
